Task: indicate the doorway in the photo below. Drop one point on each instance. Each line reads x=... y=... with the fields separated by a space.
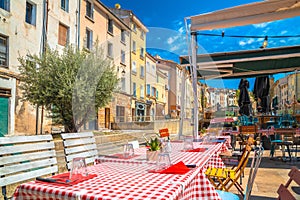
x=107 y=118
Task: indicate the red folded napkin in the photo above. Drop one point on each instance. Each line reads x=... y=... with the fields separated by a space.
x=196 y=150
x=178 y=168
x=63 y=179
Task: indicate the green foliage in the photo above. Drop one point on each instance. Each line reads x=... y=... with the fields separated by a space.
x=153 y=144
x=72 y=84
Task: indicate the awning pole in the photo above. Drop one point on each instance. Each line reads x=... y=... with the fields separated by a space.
x=182 y=104
x=194 y=81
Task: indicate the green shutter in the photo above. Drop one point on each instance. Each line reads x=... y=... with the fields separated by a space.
x=3 y=116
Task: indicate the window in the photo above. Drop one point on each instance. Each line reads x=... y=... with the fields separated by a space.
x=110 y=26
x=142 y=53
x=89 y=9
x=110 y=50
x=142 y=34
x=120 y=113
x=134 y=27
x=148 y=89
x=133 y=46
x=63 y=35
x=123 y=84
x=3 y=51
x=123 y=57
x=89 y=39
x=5 y=4
x=134 y=89
x=148 y=66
x=64 y=4
x=30 y=17
x=133 y=69
x=142 y=91
x=142 y=72
x=153 y=91
x=123 y=36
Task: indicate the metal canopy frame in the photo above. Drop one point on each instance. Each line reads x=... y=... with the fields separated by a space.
x=253 y=13
x=241 y=64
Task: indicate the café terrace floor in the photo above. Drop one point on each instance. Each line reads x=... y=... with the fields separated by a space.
x=270 y=175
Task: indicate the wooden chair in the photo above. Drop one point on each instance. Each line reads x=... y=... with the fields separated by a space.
x=257 y=156
x=283 y=190
x=25 y=157
x=79 y=145
x=224 y=178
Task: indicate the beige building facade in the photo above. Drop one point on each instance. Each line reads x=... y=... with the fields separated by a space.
x=100 y=26
x=20 y=26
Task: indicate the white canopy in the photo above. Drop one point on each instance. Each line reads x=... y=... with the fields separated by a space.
x=253 y=13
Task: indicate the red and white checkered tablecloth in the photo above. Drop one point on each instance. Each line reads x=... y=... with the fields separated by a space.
x=131 y=179
x=126 y=181
x=210 y=156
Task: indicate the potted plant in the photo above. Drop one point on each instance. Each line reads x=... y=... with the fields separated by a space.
x=153 y=148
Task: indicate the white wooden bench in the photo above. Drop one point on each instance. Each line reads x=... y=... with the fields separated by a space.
x=79 y=145
x=25 y=157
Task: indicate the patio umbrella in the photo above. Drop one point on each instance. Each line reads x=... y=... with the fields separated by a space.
x=244 y=99
x=261 y=93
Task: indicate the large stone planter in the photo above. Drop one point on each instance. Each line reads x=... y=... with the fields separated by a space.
x=152 y=155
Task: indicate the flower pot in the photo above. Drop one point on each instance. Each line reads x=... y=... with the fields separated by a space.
x=152 y=155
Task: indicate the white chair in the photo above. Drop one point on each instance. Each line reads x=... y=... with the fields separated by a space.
x=135 y=144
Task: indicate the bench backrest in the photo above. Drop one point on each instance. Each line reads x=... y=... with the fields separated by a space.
x=26 y=157
x=79 y=145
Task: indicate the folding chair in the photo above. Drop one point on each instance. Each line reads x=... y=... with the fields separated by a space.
x=283 y=190
x=258 y=152
x=224 y=178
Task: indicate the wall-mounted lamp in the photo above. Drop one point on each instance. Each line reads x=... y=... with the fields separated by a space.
x=123 y=72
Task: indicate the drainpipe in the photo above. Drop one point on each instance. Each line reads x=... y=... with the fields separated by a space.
x=78 y=24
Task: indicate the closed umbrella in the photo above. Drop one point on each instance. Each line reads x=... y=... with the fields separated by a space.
x=261 y=93
x=244 y=99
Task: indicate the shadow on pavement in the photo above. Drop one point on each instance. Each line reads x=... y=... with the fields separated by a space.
x=261 y=198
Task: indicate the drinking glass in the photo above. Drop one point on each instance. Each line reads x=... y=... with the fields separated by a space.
x=78 y=168
x=163 y=161
x=128 y=151
x=188 y=143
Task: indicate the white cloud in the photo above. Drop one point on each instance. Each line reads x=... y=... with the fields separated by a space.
x=174 y=48
x=246 y=42
x=171 y=40
x=181 y=30
x=262 y=25
x=242 y=43
x=283 y=32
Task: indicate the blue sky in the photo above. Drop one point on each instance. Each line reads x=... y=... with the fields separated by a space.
x=167 y=31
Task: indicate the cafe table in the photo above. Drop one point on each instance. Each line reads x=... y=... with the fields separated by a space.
x=134 y=179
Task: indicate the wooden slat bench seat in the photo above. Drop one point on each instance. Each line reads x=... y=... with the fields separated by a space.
x=26 y=157
x=79 y=145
